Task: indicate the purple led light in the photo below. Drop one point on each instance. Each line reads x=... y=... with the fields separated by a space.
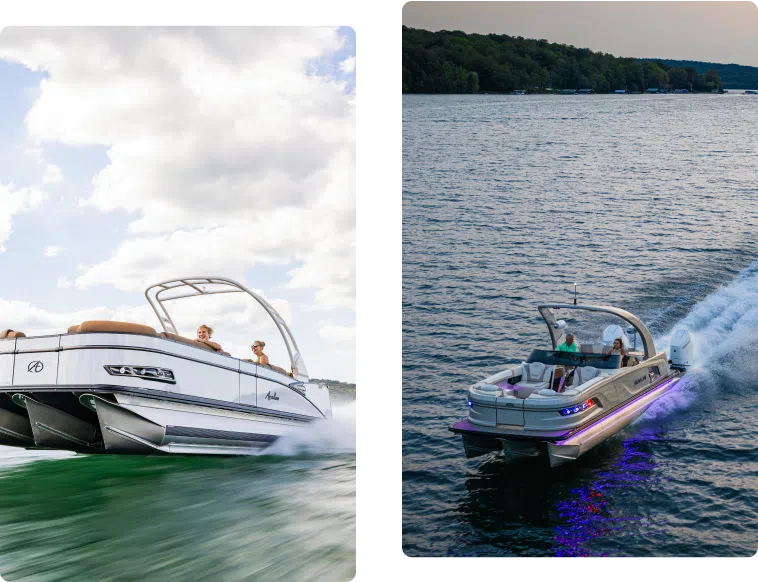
x=662 y=386
x=589 y=515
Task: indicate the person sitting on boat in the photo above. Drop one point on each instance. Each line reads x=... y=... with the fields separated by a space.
x=257 y=348
x=569 y=345
x=617 y=349
x=204 y=334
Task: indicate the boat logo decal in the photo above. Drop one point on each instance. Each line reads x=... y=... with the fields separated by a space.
x=270 y=396
x=641 y=379
x=35 y=366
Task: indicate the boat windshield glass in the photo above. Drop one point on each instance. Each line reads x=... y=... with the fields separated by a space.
x=551 y=358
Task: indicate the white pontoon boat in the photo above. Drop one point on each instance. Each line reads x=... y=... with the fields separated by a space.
x=562 y=403
x=117 y=387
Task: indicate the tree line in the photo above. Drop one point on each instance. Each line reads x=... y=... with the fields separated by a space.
x=732 y=76
x=456 y=62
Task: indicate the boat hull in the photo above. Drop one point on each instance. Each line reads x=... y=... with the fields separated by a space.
x=559 y=447
x=116 y=422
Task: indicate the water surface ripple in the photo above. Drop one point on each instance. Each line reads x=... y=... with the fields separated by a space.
x=649 y=203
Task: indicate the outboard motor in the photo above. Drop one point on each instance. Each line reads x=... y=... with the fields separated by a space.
x=613 y=332
x=682 y=349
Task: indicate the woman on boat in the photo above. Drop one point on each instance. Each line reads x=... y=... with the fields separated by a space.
x=257 y=348
x=617 y=349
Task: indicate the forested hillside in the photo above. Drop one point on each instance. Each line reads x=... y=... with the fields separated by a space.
x=456 y=62
x=732 y=76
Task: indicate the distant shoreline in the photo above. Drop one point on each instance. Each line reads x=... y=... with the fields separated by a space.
x=558 y=93
x=338 y=388
x=453 y=62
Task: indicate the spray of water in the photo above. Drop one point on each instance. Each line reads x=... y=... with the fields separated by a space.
x=333 y=436
x=325 y=437
x=724 y=328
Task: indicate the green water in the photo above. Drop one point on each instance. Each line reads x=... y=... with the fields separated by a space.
x=69 y=517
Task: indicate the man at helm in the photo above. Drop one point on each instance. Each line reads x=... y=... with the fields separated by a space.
x=569 y=345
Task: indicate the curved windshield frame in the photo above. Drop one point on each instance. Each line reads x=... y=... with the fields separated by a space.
x=577 y=359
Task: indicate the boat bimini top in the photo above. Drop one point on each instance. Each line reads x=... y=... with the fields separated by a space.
x=159 y=293
x=555 y=329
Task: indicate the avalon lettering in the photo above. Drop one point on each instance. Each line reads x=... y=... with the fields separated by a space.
x=270 y=396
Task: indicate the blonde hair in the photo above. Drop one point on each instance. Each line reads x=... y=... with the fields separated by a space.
x=207 y=328
x=259 y=342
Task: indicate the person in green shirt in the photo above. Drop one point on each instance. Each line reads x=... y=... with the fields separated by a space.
x=569 y=345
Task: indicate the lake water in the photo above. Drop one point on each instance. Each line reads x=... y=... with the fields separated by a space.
x=287 y=515
x=649 y=203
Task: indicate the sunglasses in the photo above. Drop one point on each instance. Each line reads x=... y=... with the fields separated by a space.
x=255 y=346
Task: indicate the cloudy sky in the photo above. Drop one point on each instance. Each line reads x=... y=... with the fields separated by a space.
x=130 y=156
x=720 y=32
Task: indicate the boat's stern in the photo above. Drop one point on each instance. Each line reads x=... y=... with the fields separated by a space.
x=478 y=442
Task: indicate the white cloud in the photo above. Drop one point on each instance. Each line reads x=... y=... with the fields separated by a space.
x=339 y=339
x=52 y=251
x=53 y=174
x=223 y=142
x=329 y=267
x=237 y=320
x=34 y=153
x=348 y=65
x=23 y=316
x=63 y=283
x=337 y=333
x=14 y=201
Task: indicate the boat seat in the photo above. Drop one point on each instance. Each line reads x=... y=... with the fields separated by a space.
x=584 y=374
x=276 y=369
x=547 y=392
x=286 y=373
x=630 y=361
x=112 y=326
x=190 y=342
x=592 y=348
x=10 y=334
x=214 y=346
x=535 y=376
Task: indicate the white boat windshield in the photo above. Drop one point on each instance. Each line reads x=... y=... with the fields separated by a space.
x=577 y=359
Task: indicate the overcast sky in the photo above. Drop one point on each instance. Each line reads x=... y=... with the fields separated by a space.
x=721 y=32
x=132 y=155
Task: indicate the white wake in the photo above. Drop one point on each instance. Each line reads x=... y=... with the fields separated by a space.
x=333 y=436
x=724 y=327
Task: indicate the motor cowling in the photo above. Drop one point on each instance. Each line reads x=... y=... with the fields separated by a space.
x=682 y=348
x=614 y=332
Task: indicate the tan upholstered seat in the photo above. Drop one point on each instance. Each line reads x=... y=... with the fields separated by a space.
x=185 y=340
x=216 y=347
x=276 y=369
x=112 y=326
x=213 y=345
x=10 y=334
x=270 y=367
